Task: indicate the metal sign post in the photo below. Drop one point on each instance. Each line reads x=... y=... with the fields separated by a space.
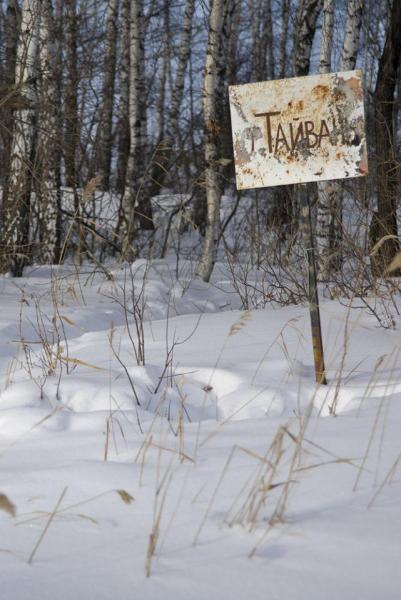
x=313 y=296
x=298 y=130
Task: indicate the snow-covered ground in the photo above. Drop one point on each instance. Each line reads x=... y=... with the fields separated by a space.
x=216 y=469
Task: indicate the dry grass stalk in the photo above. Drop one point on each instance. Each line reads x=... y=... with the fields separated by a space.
x=160 y=499
x=387 y=480
x=38 y=515
x=7 y=506
x=46 y=528
x=379 y=413
x=125 y=496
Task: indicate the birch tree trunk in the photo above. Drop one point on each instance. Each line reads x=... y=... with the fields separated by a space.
x=71 y=119
x=71 y=135
x=123 y=107
x=326 y=42
x=47 y=163
x=348 y=58
x=330 y=222
x=214 y=70
x=325 y=189
x=165 y=71
x=182 y=63
x=304 y=31
x=104 y=142
x=17 y=251
x=131 y=202
x=384 y=222
x=353 y=24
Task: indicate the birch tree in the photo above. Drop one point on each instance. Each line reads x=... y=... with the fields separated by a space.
x=71 y=133
x=304 y=32
x=134 y=175
x=104 y=141
x=325 y=189
x=47 y=163
x=17 y=203
x=214 y=70
x=182 y=63
x=165 y=71
x=123 y=130
x=329 y=220
x=350 y=46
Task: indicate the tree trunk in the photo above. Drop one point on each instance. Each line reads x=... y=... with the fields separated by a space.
x=71 y=119
x=325 y=188
x=304 y=31
x=285 y=16
x=385 y=220
x=134 y=205
x=47 y=162
x=167 y=150
x=71 y=136
x=123 y=107
x=233 y=43
x=17 y=251
x=256 y=67
x=214 y=71
x=183 y=57
x=305 y=26
x=10 y=31
x=330 y=220
x=165 y=71
x=104 y=136
x=267 y=42
x=351 y=36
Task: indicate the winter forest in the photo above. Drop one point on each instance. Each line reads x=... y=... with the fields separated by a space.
x=106 y=105
x=165 y=430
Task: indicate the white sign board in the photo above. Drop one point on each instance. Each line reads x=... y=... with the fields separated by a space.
x=297 y=130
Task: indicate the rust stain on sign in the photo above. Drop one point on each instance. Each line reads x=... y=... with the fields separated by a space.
x=300 y=129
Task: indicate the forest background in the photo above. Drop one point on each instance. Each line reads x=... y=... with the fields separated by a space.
x=106 y=105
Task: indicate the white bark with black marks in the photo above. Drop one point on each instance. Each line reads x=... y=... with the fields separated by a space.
x=104 y=141
x=184 y=51
x=123 y=105
x=214 y=70
x=353 y=24
x=17 y=204
x=137 y=124
x=325 y=189
x=329 y=219
x=48 y=141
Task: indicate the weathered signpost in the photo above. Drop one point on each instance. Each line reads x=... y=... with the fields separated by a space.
x=293 y=131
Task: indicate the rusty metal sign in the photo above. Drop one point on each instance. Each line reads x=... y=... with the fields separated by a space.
x=298 y=130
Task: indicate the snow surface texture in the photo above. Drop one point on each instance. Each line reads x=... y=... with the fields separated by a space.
x=216 y=469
